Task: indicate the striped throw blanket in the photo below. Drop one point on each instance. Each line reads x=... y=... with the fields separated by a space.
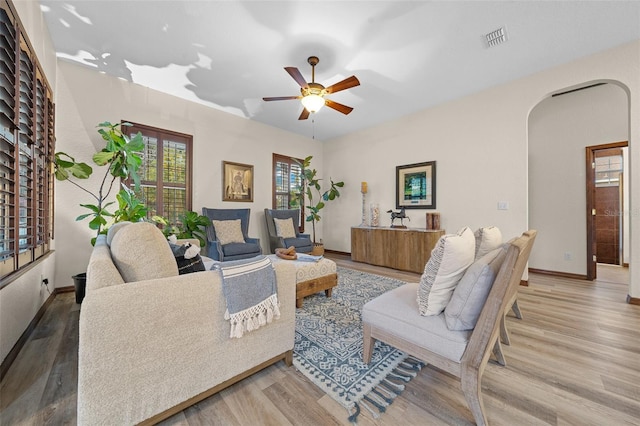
x=250 y=292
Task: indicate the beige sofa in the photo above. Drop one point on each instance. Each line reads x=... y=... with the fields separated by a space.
x=156 y=343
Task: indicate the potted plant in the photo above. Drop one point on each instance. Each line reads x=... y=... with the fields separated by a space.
x=189 y=225
x=316 y=199
x=120 y=156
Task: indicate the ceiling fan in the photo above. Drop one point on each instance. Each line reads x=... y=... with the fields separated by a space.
x=313 y=94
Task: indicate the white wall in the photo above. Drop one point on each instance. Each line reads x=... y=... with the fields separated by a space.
x=86 y=98
x=21 y=299
x=480 y=144
x=559 y=130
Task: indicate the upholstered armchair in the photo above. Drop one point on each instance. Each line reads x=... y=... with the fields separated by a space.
x=283 y=230
x=227 y=237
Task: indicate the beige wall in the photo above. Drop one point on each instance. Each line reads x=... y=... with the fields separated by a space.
x=559 y=130
x=21 y=299
x=86 y=98
x=480 y=143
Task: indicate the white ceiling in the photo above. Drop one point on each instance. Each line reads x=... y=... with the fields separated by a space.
x=408 y=56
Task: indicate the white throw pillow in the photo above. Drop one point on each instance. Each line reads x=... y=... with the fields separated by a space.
x=471 y=293
x=228 y=231
x=284 y=227
x=449 y=260
x=488 y=239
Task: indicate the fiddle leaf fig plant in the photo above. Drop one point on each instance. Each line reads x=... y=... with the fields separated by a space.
x=120 y=155
x=130 y=207
x=315 y=198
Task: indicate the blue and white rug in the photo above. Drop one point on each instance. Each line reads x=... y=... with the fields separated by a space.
x=328 y=346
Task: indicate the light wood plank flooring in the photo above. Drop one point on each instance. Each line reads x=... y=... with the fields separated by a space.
x=574 y=360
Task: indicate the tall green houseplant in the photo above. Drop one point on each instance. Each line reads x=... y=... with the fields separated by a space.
x=315 y=198
x=120 y=156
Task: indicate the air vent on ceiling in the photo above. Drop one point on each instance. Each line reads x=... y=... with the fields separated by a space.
x=496 y=37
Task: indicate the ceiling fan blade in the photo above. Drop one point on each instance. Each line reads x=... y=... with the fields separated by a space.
x=338 y=107
x=304 y=114
x=347 y=83
x=297 y=76
x=281 y=98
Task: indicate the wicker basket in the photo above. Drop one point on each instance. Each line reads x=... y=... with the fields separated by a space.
x=318 y=249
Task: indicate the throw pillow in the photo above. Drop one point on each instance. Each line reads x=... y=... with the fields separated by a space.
x=488 y=239
x=284 y=227
x=228 y=231
x=187 y=259
x=449 y=260
x=113 y=229
x=140 y=252
x=471 y=293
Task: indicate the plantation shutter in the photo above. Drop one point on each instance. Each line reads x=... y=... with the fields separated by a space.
x=26 y=149
x=287 y=180
x=165 y=173
x=8 y=164
x=26 y=138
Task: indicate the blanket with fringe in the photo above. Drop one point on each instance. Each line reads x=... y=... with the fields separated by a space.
x=250 y=292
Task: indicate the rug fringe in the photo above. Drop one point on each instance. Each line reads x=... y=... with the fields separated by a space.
x=353 y=418
x=383 y=395
x=369 y=409
x=386 y=399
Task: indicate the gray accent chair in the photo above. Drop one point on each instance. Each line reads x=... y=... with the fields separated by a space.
x=232 y=251
x=302 y=242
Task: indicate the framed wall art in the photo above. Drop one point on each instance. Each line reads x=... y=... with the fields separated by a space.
x=416 y=186
x=237 y=182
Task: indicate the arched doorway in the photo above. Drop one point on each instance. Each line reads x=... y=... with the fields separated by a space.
x=560 y=127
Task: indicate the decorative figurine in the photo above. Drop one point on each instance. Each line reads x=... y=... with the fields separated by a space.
x=398 y=215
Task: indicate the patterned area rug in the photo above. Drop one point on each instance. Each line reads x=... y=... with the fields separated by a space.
x=328 y=346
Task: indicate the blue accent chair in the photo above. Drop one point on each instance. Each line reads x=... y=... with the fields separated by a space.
x=302 y=242
x=232 y=251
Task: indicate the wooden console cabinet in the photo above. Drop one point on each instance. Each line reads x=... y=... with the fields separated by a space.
x=404 y=249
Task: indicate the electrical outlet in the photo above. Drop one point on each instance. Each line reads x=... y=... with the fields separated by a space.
x=503 y=205
x=568 y=256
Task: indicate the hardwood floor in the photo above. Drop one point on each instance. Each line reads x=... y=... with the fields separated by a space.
x=574 y=360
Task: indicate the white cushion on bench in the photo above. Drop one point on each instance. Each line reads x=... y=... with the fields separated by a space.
x=397 y=311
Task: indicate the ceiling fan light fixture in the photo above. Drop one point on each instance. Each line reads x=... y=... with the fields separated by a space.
x=312 y=102
x=312 y=95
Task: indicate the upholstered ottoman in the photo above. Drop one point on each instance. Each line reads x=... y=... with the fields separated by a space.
x=312 y=277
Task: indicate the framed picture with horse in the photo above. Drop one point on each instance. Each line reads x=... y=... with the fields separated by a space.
x=416 y=186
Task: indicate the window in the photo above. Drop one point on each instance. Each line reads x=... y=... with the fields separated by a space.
x=27 y=145
x=165 y=175
x=287 y=180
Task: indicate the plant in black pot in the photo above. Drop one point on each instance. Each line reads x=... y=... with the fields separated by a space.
x=316 y=199
x=121 y=161
x=189 y=225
